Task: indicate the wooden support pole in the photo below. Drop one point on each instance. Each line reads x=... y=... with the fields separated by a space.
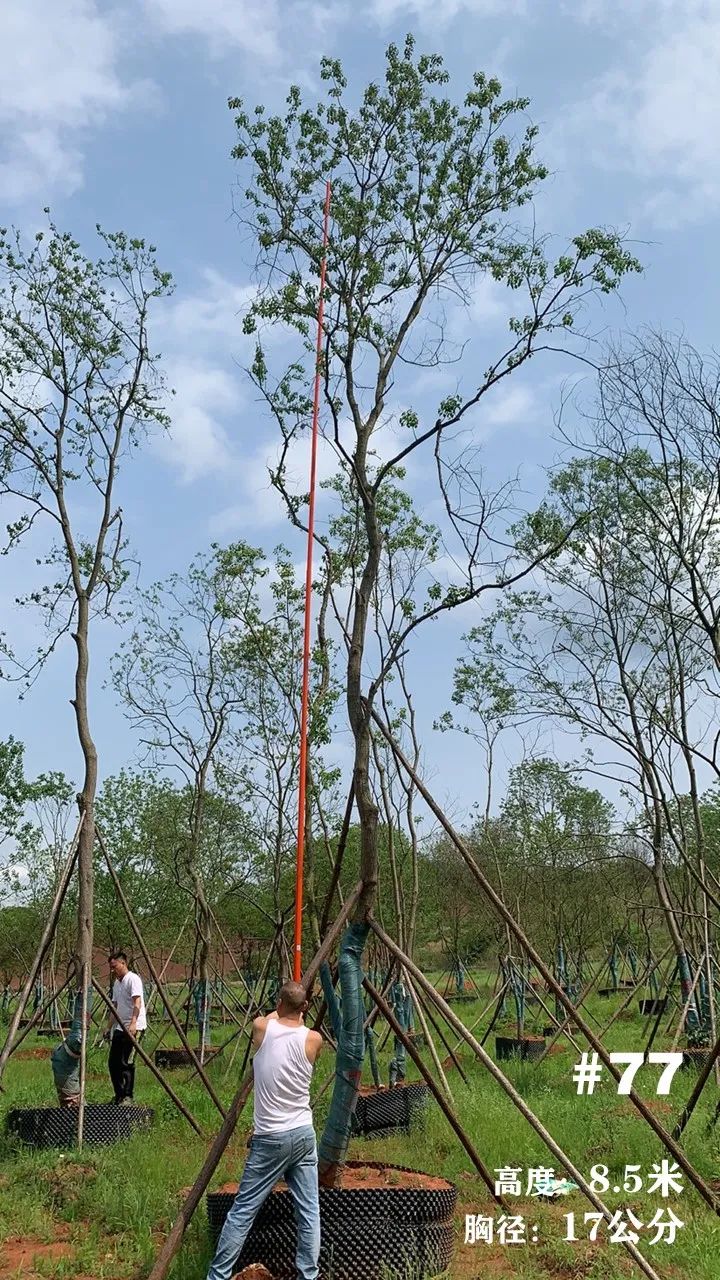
x=257 y=1004
x=442 y=1102
x=543 y=1006
x=446 y=1043
x=514 y=1096
x=149 y=1063
x=686 y=1007
x=222 y=938
x=666 y=983
x=694 y=1098
x=430 y=1042
x=496 y=1015
x=640 y=1105
x=621 y=1008
x=215 y=1154
x=154 y=974
x=496 y=1000
x=39 y=1015
x=164 y=1032
x=45 y=941
x=150 y=1002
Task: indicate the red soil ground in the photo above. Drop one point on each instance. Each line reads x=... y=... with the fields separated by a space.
x=368 y=1177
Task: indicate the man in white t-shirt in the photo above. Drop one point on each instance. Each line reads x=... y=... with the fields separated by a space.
x=129 y=1003
x=283 y=1143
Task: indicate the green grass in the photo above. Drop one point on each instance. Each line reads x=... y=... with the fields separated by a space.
x=115 y=1204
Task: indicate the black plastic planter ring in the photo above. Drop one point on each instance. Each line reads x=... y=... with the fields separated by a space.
x=169 y=1058
x=507 y=1047
x=104 y=1123
x=389 y=1110
x=368 y=1233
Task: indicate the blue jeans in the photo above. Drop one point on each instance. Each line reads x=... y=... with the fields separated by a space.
x=292 y=1156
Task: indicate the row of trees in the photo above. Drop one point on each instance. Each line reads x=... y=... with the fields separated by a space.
x=576 y=878
x=613 y=632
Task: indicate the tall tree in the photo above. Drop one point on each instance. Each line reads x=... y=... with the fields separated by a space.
x=179 y=682
x=611 y=647
x=563 y=832
x=79 y=386
x=263 y=753
x=425 y=199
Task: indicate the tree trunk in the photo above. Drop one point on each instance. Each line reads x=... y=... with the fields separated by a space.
x=351 y=1045
x=350 y=1055
x=86 y=798
x=683 y=964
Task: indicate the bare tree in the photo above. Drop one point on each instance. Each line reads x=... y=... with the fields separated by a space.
x=424 y=199
x=79 y=386
x=178 y=677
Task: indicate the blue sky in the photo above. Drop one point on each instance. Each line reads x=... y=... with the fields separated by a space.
x=116 y=113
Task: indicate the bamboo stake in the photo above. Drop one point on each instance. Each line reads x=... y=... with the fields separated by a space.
x=430 y=1042
x=257 y=1002
x=445 y=1107
x=149 y=1063
x=621 y=1008
x=236 y=967
x=38 y=1016
x=566 y=1021
x=694 y=1098
x=545 y=1009
x=150 y=1002
x=494 y=1018
x=686 y=1007
x=45 y=941
x=668 y=979
x=154 y=974
x=215 y=1154
x=514 y=1096
x=446 y=1044
x=668 y=1142
x=497 y=997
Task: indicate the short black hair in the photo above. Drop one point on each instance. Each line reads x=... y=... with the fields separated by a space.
x=118 y=955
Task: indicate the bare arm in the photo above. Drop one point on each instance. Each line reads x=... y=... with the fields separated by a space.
x=111 y=1020
x=258 y=1031
x=132 y=1025
x=313 y=1045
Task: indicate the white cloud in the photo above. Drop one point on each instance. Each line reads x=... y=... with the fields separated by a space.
x=213 y=312
x=260 y=505
x=658 y=115
x=439 y=12
x=36 y=161
x=490 y=301
x=199 y=331
x=504 y=406
x=250 y=25
x=60 y=73
x=269 y=31
x=607 y=12
x=198 y=443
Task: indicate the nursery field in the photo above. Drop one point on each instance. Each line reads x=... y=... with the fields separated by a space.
x=363 y=624
x=103 y=1213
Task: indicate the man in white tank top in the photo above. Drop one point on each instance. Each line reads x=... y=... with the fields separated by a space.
x=283 y=1142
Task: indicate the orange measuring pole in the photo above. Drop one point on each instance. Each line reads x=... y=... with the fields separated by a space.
x=297 y=953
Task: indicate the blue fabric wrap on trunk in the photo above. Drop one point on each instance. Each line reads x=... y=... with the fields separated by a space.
x=331 y=1000
x=65 y=1059
x=351 y=1048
